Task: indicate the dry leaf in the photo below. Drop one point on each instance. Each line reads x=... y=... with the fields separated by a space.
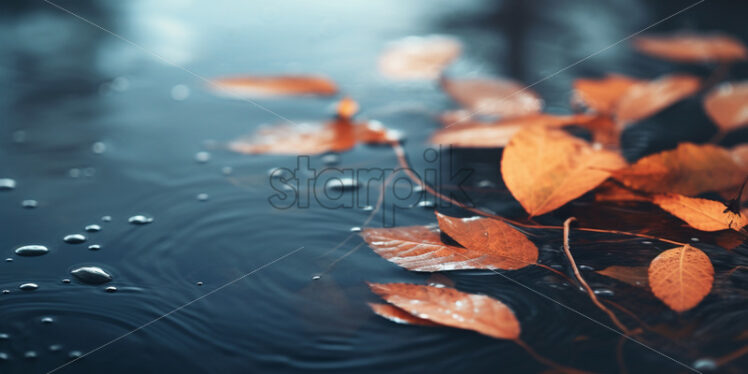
x=398 y=315
x=545 y=168
x=418 y=57
x=632 y=275
x=271 y=86
x=449 y=307
x=507 y=248
x=687 y=47
x=727 y=105
x=602 y=95
x=646 y=98
x=701 y=214
x=681 y=277
x=690 y=169
x=498 y=97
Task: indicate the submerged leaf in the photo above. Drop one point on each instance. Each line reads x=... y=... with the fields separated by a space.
x=681 y=277
x=418 y=57
x=632 y=275
x=602 y=95
x=646 y=98
x=688 y=47
x=727 y=105
x=398 y=315
x=270 y=86
x=500 y=97
x=545 y=168
x=701 y=214
x=449 y=307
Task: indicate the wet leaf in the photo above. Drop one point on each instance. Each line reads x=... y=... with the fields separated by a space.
x=271 y=86
x=701 y=214
x=506 y=247
x=632 y=275
x=602 y=95
x=545 y=168
x=499 y=97
x=449 y=307
x=418 y=57
x=681 y=277
x=727 y=105
x=688 y=47
x=398 y=315
x=690 y=169
x=611 y=191
x=646 y=98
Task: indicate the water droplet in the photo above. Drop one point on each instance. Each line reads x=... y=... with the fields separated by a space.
x=368 y=208
x=604 y=292
x=418 y=188
x=695 y=239
x=331 y=159
x=227 y=170
x=140 y=220
x=8 y=259
x=316 y=277
x=356 y=229
x=47 y=320
x=28 y=286
x=5 y=292
x=75 y=354
x=94 y=247
x=199 y=283
x=93 y=228
x=7 y=184
x=29 y=204
x=4 y=336
x=706 y=364
x=647 y=242
x=586 y=267
x=426 y=204
x=30 y=354
x=111 y=289
x=55 y=348
x=32 y=250
x=202 y=157
x=4 y=356
x=91 y=275
x=342 y=184
x=106 y=218
x=66 y=281
x=98 y=148
x=74 y=238
x=202 y=197
x=180 y=92
x=486 y=184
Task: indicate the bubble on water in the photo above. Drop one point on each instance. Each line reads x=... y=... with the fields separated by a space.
x=55 y=348
x=19 y=136
x=356 y=229
x=227 y=170
x=7 y=184
x=75 y=354
x=106 y=218
x=91 y=275
x=29 y=204
x=32 y=250
x=202 y=157
x=28 y=286
x=199 y=283
x=94 y=247
x=30 y=354
x=331 y=159
x=74 y=238
x=140 y=220
x=706 y=364
x=316 y=277
x=47 y=319
x=604 y=292
x=111 y=289
x=180 y=92
x=202 y=197
x=93 y=228
x=66 y=281
x=426 y=204
x=98 y=148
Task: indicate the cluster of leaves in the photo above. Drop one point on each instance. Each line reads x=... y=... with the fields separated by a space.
x=544 y=167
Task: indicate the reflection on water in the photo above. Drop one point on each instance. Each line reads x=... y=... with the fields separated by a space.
x=98 y=132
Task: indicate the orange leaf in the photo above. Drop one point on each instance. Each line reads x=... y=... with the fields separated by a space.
x=611 y=191
x=701 y=214
x=681 y=277
x=740 y=156
x=686 y=47
x=449 y=307
x=398 y=315
x=602 y=95
x=505 y=246
x=727 y=105
x=690 y=169
x=632 y=275
x=545 y=168
x=418 y=57
x=499 y=97
x=646 y=98
x=497 y=134
x=259 y=87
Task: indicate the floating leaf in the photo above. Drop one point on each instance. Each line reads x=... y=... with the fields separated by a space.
x=632 y=275
x=649 y=97
x=498 y=97
x=727 y=105
x=398 y=315
x=545 y=168
x=681 y=277
x=449 y=307
x=690 y=169
x=497 y=134
x=271 y=86
x=418 y=57
x=602 y=95
x=701 y=214
x=506 y=247
x=688 y=47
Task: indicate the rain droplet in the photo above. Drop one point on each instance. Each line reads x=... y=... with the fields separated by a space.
x=28 y=286
x=426 y=204
x=316 y=277
x=140 y=220
x=31 y=250
x=5 y=292
x=342 y=184
x=8 y=259
x=74 y=238
x=180 y=92
x=647 y=242
x=202 y=157
x=91 y=275
x=94 y=247
x=586 y=267
x=202 y=197
x=98 y=148
x=93 y=228
x=7 y=184
x=75 y=354
x=106 y=218
x=199 y=283
x=368 y=208
x=66 y=281
x=604 y=292
x=695 y=239
x=30 y=354
x=355 y=229
x=486 y=184
x=111 y=289
x=47 y=320
x=29 y=204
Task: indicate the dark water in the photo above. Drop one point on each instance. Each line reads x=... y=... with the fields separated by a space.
x=93 y=127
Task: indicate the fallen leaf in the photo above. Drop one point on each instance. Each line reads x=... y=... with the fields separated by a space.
x=546 y=168
x=449 y=307
x=611 y=191
x=271 y=86
x=727 y=105
x=499 y=97
x=688 y=47
x=632 y=275
x=690 y=169
x=418 y=57
x=398 y=315
x=646 y=98
x=701 y=214
x=602 y=95
x=508 y=248
x=681 y=277
x=740 y=156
